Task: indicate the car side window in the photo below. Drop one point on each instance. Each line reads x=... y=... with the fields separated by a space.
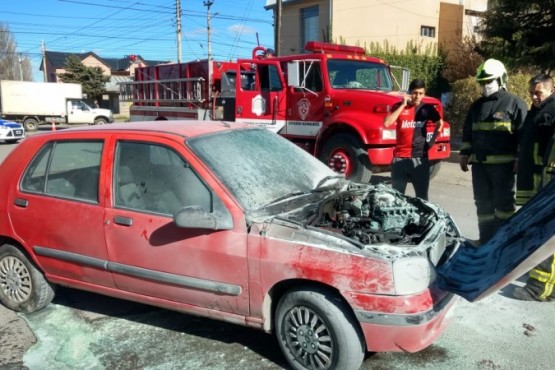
x=67 y=169
x=154 y=178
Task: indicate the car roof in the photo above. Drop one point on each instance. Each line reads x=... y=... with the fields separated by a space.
x=185 y=128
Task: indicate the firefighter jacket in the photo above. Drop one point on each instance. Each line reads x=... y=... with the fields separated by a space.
x=491 y=126
x=549 y=162
x=534 y=145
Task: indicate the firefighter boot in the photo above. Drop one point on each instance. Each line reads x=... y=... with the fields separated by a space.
x=523 y=294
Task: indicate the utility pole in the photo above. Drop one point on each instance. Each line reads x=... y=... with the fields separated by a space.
x=208 y=4
x=277 y=26
x=44 y=61
x=178 y=25
x=20 y=69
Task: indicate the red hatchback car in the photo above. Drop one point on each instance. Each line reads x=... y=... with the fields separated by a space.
x=235 y=223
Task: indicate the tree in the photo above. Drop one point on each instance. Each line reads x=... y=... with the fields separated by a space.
x=13 y=66
x=91 y=78
x=461 y=59
x=521 y=33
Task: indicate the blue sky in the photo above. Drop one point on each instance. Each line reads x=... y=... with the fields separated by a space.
x=116 y=28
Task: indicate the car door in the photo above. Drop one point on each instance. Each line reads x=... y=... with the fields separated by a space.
x=262 y=101
x=149 y=254
x=78 y=112
x=304 y=117
x=58 y=210
x=522 y=242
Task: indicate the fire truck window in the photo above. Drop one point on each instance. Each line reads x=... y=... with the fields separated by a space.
x=248 y=80
x=313 y=80
x=269 y=78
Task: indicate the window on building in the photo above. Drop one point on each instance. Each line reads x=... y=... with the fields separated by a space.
x=310 y=24
x=427 y=31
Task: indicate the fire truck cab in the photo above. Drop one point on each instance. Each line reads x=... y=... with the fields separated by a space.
x=330 y=101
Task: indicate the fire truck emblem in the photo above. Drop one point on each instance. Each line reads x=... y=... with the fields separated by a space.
x=258 y=105
x=303 y=107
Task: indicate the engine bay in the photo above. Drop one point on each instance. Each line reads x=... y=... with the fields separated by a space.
x=377 y=215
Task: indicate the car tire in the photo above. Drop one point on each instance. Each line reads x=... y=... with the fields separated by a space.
x=31 y=124
x=434 y=168
x=344 y=153
x=316 y=330
x=23 y=287
x=100 y=121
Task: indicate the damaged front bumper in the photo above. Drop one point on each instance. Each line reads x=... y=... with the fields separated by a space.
x=406 y=326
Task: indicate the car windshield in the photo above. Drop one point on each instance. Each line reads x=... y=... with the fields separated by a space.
x=358 y=74
x=260 y=167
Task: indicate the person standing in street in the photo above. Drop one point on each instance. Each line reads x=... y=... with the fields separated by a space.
x=490 y=145
x=410 y=156
x=536 y=163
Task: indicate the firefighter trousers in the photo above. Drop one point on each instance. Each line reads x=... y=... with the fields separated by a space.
x=494 y=196
x=541 y=280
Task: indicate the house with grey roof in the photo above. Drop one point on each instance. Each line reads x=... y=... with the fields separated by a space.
x=119 y=70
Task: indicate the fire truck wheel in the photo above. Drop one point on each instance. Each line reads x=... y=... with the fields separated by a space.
x=344 y=153
x=434 y=168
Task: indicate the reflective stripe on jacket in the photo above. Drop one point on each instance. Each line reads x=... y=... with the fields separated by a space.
x=491 y=126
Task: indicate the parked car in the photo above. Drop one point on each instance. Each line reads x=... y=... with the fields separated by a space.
x=10 y=131
x=236 y=223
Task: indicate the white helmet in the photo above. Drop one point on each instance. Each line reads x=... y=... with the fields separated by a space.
x=492 y=69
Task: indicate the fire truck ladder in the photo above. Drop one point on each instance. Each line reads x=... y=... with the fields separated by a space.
x=170 y=92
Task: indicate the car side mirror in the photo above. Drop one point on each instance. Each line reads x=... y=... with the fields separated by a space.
x=195 y=217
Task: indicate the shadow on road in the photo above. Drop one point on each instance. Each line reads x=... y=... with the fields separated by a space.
x=93 y=304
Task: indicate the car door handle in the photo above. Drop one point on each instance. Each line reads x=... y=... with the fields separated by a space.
x=21 y=202
x=125 y=221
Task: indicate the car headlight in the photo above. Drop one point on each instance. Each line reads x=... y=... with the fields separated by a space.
x=389 y=134
x=412 y=275
x=3 y=128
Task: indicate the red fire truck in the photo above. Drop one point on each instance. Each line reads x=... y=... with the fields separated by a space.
x=330 y=101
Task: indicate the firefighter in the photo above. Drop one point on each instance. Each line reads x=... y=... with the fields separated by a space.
x=536 y=167
x=269 y=53
x=490 y=145
x=534 y=138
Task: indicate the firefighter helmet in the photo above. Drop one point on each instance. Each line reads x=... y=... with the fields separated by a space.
x=492 y=69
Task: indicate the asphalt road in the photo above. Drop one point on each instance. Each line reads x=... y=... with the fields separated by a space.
x=88 y=331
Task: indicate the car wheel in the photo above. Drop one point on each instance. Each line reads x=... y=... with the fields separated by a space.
x=31 y=124
x=315 y=330
x=344 y=153
x=23 y=287
x=100 y=121
x=434 y=168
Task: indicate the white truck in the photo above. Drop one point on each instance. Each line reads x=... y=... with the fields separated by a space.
x=34 y=103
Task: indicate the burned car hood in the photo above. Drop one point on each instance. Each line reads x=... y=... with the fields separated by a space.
x=364 y=218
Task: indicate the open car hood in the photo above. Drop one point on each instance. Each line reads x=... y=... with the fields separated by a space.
x=525 y=240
